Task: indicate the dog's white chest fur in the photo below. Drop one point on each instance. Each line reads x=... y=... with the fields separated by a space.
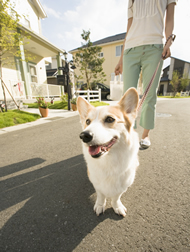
x=113 y=173
x=110 y=147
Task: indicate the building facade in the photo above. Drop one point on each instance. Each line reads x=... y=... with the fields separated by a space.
x=19 y=76
x=183 y=67
x=111 y=51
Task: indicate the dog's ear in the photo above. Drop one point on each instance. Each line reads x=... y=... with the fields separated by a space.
x=83 y=108
x=129 y=102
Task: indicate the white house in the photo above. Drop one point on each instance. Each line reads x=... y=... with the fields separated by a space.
x=21 y=77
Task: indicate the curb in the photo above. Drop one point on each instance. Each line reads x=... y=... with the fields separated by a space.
x=54 y=115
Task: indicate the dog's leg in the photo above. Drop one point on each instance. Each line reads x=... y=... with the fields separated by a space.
x=100 y=204
x=118 y=207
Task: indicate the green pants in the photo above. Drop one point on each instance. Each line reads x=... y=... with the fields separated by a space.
x=146 y=58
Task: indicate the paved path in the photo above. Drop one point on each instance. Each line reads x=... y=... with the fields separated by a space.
x=46 y=199
x=54 y=114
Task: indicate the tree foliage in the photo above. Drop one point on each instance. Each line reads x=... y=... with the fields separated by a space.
x=88 y=61
x=10 y=37
x=179 y=83
x=175 y=81
x=185 y=81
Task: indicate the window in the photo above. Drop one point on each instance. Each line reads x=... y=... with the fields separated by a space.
x=33 y=73
x=101 y=54
x=118 y=50
x=26 y=22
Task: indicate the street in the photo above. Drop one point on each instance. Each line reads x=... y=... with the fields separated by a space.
x=46 y=199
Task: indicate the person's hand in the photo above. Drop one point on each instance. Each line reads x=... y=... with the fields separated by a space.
x=166 y=52
x=119 y=68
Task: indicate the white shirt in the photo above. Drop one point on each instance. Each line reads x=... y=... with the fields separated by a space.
x=148 y=22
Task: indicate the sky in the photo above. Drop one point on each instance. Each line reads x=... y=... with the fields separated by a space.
x=68 y=18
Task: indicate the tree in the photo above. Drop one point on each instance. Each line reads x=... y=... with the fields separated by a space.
x=88 y=60
x=185 y=81
x=175 y=81
x=10 y=38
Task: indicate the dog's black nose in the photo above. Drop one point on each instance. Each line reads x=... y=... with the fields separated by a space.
x=86 y=136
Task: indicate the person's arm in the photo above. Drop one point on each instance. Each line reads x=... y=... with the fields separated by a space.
x=119 y=67
x=169 y=26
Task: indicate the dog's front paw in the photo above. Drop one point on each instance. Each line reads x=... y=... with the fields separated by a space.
x=98 y=209
x=119 y=208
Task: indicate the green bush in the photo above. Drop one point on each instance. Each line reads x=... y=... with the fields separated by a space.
x=178 y=95
x=64 y=97
x=74 y=101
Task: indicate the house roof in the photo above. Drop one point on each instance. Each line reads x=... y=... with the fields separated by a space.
x=181 y=60
x=39 y=45
x=164 y=79
x=110 y=39
x=51 y=72
x=41 y=11
x=107 y=40
x=166 y=68
x=176 y=59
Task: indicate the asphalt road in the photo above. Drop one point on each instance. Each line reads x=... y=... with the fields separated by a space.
x=46 y=199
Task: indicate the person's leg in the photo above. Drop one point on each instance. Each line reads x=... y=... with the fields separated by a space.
x=145 y=133
x=150 y=59
x=131 y=68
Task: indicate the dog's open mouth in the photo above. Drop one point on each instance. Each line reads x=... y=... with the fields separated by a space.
x=98 y=150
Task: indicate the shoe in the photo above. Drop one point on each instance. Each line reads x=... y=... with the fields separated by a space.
x=145 y=143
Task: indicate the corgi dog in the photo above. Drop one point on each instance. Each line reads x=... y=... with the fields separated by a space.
x=110 y=148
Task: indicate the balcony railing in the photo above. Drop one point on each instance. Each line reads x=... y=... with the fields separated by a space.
x=45 y=90
x=15 y=87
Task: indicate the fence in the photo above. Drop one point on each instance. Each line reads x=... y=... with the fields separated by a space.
x=185 y=93
x=90 y=95
x=45 y=90
x=15 y=87
x=168 y=94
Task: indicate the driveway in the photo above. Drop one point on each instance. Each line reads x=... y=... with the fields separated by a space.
x=47 y=199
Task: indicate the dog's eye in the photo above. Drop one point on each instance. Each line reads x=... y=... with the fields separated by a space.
x=109 y=119
x=88 y=122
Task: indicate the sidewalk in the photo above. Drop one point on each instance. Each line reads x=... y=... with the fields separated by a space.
x=54 y=114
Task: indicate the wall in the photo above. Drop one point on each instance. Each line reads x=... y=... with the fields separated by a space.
x=109 y=51
x=6 y=73
x=187 y=69
x=24 y=7
x=171 y=68
x=41 y=69
x=110 y=59
x=10 y=72
x=54 y=63
x=42 y=79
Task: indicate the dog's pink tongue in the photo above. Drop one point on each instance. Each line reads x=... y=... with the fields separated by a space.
x=94 y=150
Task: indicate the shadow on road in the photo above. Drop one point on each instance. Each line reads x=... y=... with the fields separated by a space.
x=48 y=209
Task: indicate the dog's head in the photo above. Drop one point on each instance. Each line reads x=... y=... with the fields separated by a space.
x=103 y=126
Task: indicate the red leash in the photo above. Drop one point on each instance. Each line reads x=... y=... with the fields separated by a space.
x=153 y=77
x=148 y=87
